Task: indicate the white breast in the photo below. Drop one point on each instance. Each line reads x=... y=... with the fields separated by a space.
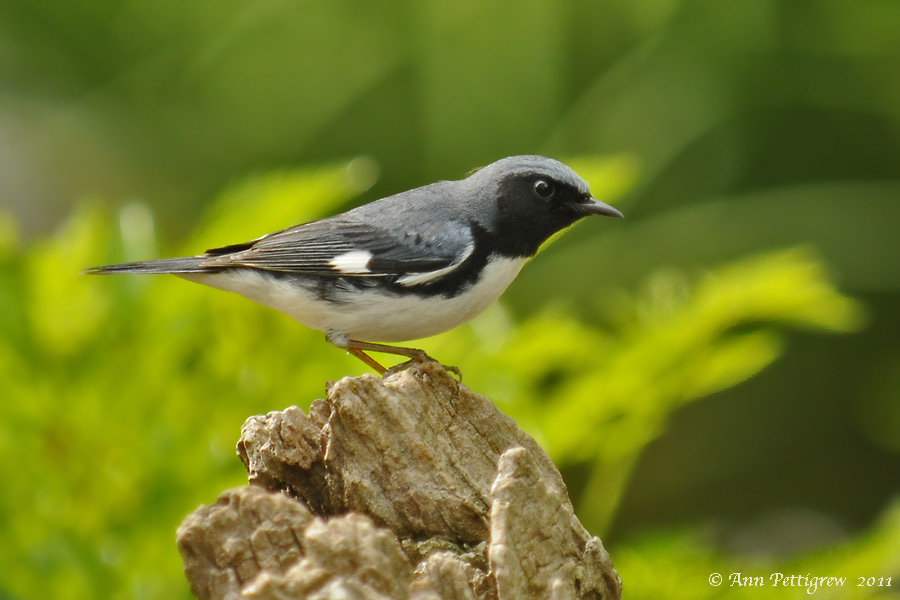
x=369 y=315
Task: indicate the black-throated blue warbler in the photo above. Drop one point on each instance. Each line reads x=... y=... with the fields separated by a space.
x=405 y=267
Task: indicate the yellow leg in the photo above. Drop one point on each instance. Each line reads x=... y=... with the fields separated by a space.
x=357 y=348
x=367 y=359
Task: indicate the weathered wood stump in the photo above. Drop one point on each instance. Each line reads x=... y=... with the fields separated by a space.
x=407 y=487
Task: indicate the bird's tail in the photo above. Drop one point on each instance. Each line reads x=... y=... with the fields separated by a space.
x=187 y=264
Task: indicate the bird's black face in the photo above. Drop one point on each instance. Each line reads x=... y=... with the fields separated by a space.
x=533 y=206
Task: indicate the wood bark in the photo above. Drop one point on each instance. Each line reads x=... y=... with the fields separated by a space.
x=408 y=487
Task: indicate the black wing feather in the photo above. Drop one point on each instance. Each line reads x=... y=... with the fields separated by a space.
x=310 y=248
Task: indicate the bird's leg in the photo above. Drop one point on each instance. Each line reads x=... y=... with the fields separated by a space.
x=413 y=353
x=342 y=341
x=368 y=360
x=356 y=348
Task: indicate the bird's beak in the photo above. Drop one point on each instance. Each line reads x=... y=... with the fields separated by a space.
x=592 y=206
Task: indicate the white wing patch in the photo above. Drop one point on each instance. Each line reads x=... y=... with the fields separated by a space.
x=355 y=262
x=420 y=278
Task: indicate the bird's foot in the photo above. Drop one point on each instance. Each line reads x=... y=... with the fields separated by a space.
x=414 y=361
x=358 y=349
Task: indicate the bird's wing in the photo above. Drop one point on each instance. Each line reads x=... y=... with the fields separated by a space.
x=351 y=248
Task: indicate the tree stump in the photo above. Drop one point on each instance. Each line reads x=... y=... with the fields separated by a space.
x=411 y=486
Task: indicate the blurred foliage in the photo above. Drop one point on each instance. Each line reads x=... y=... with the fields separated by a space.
x=658 y=566
x=108 y=381
x=753 y=146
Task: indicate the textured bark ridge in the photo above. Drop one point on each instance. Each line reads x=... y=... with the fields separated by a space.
x=407 y=487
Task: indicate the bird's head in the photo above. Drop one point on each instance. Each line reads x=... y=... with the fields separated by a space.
x=526 y=199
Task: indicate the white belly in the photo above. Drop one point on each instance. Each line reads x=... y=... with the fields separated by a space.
x=371 y=316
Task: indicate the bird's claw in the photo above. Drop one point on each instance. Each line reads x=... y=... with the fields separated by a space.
x=419 y=360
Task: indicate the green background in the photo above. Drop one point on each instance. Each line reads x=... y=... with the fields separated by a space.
x=718 y=375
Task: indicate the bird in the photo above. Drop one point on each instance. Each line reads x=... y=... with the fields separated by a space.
x=404 y=267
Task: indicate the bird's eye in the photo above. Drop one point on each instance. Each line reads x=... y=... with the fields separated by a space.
x=543 y=188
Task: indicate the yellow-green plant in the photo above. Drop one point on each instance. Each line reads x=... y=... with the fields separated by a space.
x=122 y=397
